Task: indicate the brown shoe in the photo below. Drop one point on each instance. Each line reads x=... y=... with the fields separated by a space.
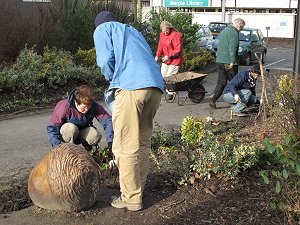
x=211 y=102
x=118 y=203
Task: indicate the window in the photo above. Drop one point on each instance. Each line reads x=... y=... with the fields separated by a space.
x=274 y=11
x=261 y=11
x=37 y=0
x=254 y=36
x=286 y=11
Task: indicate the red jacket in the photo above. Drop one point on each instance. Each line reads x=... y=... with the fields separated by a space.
x=170 y=45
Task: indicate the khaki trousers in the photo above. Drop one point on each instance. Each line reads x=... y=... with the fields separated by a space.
x=168 y=70
x=133 y=125
x=71 y=134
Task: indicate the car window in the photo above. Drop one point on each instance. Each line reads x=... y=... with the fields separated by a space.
x=207 y=31
x=204 y=32
x=201 y=32
x=245 y=35
x=255 y=36
x=211 y=25
x=217 y=26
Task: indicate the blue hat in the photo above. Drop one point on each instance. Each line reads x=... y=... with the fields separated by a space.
x=104 y=17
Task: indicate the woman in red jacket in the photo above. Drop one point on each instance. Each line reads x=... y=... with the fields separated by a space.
x=169 y=49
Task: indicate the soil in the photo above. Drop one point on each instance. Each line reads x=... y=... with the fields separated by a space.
x=239 y=201
x=243 y=200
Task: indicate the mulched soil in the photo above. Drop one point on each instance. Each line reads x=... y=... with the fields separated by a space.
x=239 y=201
x=243 y=200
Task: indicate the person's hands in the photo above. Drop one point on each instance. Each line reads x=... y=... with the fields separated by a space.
x=165 y=58
x=237 y=98
x=111 y=164
x=156 y=58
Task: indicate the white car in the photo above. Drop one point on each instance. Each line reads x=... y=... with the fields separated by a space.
x=205 y=39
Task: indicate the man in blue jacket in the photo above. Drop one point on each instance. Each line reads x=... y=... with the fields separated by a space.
x=72 y=120
x=134 y=95
x=240 y=91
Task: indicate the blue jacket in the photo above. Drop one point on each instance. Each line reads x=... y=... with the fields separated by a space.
x=242 y=80
x=66 y=112
x=125 y=58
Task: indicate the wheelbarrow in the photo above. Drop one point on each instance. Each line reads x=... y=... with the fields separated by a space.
x=190 y=82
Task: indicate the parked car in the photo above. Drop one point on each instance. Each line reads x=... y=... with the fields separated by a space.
x=205 y=39
x=251 y=40
x=217 y=27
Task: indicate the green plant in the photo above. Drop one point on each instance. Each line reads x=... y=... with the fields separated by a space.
x=163 y=138
x=196 y=61
x=223 y=158
x=101 y=156
x=201 y=153
x=192 y=131
x=75 y=27
x=286 y=101
x=33 y=73
x=86 y=57
x=283 y=171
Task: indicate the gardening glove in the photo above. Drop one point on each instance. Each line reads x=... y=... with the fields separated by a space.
x=165 y=58
x=237 y=98
x=156 y=58
x=111 y=162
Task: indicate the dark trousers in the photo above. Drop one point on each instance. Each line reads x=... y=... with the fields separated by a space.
x=224 y=76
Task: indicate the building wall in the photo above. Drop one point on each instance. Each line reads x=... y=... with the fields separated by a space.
x=280 y=26
x=256 y=3
x=279 y=15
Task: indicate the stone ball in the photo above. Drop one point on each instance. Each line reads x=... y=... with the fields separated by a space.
x=67 y=178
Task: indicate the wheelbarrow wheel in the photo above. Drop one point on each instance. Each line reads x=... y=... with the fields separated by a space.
x=197 y=95
x=170 y=97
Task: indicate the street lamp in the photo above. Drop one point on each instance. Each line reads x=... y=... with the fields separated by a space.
x=296 y=67
x=223 y=3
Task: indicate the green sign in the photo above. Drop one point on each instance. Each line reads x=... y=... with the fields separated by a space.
x=186 y=3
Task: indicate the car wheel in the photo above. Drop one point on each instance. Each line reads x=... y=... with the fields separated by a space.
x=247 y=59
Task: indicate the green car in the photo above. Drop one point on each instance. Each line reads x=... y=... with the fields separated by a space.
x=251 y=41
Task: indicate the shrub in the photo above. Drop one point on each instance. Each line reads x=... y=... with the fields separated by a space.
x=75 y=27
x=282 y=169
x=286 y=104
x=202 y=154
x=33 y=73
x=86 y=57
x=196 y=61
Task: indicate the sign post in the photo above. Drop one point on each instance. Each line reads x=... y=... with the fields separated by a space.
x=296 y=67
x=267 y=28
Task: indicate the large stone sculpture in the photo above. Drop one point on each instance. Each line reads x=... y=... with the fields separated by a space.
x=67 y=178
